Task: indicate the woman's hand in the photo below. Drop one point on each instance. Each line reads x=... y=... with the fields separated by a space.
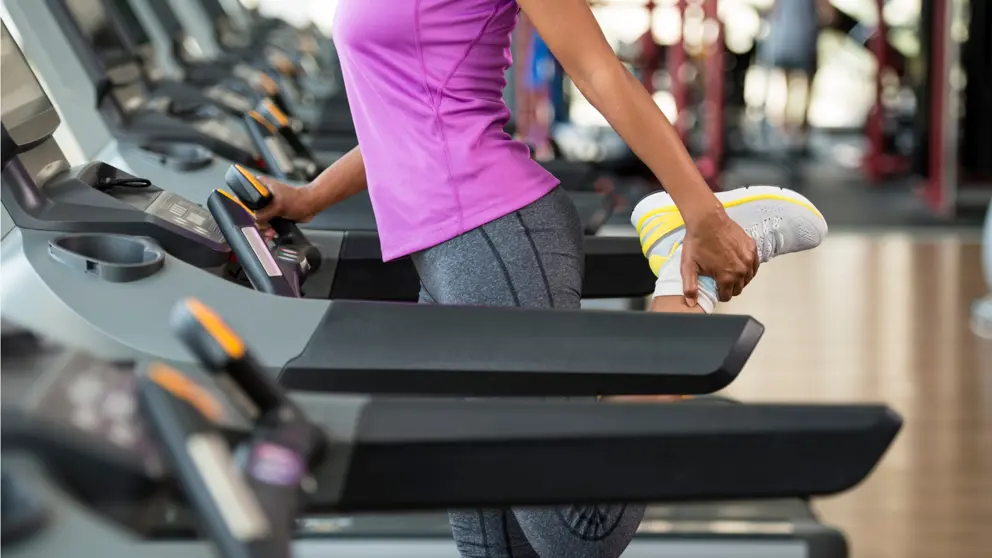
x=293 y=203
x=717 y=247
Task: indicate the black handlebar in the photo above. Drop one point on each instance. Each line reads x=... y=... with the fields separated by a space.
x=282 y=275
x=248 y=512
x=272 y=148
x=221 y=351
x=268 y=109
x=255 y=196
x=8 y=148
x=200 y=458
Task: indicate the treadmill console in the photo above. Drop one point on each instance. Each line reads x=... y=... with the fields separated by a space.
x=185 y=214
x=225 y=96
x=226 y=129
x=28 y=114
x=95 y=400
x=93 y=21
x=39 y=188
x=116 y=65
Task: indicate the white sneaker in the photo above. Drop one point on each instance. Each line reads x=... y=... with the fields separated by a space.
x=780 y=221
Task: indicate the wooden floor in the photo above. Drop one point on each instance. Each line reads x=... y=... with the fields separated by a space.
x=868 y=318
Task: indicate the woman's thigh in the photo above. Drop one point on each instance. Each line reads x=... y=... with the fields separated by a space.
x=531 y=258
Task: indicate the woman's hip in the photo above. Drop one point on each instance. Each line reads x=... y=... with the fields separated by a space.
x=532 y=257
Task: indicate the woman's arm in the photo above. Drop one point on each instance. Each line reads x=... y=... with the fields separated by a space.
x=574 y=36
x=341 y=180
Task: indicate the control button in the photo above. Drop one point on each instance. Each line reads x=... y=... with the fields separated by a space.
x=196 y=218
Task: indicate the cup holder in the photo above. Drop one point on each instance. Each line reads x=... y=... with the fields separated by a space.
x=111 y=257
x=183 y=157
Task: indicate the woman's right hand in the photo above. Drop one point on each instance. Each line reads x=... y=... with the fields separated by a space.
x=717 y=247
x=292 y=203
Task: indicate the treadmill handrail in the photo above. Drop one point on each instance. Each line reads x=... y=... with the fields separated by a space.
x=265 y=272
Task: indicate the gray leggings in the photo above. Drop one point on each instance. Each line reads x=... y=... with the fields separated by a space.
x=532 y=257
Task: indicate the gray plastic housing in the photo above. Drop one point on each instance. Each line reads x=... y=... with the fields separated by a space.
x=181 y=156
x=111 y=257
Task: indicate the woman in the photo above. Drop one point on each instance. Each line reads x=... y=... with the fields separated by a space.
x=790 y=54
x=486 y=225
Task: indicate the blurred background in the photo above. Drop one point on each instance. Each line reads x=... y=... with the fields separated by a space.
x=893 y=143
x=889 y=132
x=880 y=112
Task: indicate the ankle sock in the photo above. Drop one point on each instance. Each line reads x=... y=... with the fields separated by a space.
x=669 y=283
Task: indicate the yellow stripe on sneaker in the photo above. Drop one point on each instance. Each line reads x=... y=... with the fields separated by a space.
x=657 y=261
x=665 y=224
x=733 y=203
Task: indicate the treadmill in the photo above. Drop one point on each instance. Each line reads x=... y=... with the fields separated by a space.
x=614 y=266
x=170 y=42
x=92 y=237
x=89 y=301
x=312 y=55
x=93 y=454
x=315 y=101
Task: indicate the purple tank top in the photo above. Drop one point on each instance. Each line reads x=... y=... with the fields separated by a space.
x=425 y=83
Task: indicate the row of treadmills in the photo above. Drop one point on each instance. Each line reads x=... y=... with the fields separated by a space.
x=133 y=418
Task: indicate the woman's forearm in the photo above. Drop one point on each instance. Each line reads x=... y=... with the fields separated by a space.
x=574 y=36
x=343 y=179
x=631 y=111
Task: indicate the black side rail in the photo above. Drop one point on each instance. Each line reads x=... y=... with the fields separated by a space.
x=489 y=352
x=268 y=273
x=616 y=268
x=423 y=453
x=201 y=460
x=255 y=196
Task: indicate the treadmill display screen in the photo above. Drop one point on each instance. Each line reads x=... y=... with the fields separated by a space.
x=229 y=130
x=94 y=22
x=21 y=96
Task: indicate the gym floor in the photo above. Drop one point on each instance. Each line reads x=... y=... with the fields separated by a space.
x=885 y=318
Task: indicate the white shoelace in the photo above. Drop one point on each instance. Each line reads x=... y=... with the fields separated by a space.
x=768 y=237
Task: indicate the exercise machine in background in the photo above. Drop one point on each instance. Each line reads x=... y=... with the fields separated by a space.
x=884 y=156
x=954 y=160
